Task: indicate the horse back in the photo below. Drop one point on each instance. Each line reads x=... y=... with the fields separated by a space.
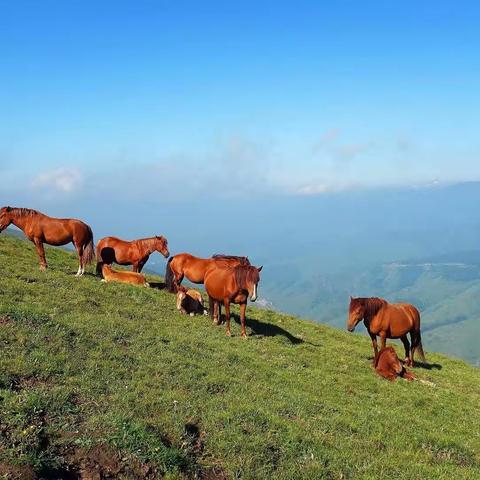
x=401 y=318
x=59 y=231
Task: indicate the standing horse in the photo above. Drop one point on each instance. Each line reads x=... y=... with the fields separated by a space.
x=40 y=229
x=231 y=285
x=387 y=320
x=135 y=253
x=194 y=268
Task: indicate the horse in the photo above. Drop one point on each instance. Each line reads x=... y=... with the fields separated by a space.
x=135 y=253
x=388 y=321
x=40 y=229
x=226 y=285
x=194 y=268
x=190 y=302
x=388 y=365
x=133 y=278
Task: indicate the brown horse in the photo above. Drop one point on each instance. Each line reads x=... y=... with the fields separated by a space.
x=226 y=285
x=388 y=321
x=135 y=253
x=194 y=268
x=133 y=278
x=388 y=366
x=40 y=229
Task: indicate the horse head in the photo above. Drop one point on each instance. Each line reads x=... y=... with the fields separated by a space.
x=356 y=313
x=252 y=278
x=5 y=217
x=161 y=245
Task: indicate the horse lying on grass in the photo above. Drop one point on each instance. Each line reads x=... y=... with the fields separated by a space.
x=388 y=365
x=190 y=302
x=133 y=278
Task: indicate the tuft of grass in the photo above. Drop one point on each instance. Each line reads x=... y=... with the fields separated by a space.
x=113 y=374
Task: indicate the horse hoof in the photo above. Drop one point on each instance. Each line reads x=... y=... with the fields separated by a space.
x=228 y=333
x=43 y=268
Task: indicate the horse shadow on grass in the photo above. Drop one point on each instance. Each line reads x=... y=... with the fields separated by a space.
x=428 y=366
x=157 y=285
x=264 y=329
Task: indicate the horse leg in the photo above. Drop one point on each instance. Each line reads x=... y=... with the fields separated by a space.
x=140 y=266
x=135 y=267
x=227 y=316
x=41 y=254
x=414 y=337
x=216 y=308
x=81 y=266
x=383 y=342
x=374 y=345
x=211 y=306
x=177 y=280
x=243 y=308
x=404 y=340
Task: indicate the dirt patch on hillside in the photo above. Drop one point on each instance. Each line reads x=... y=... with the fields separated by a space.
x=9 y=471
x=98 y=463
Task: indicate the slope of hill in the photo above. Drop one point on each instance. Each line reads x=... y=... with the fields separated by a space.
x=109 y=381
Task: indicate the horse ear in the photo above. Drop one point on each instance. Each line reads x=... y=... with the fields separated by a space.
x=351 y=298
x=9 y=209
x=260 y=268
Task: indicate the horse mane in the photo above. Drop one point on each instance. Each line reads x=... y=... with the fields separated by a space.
x=245 y=274
x=243 y=260
x=149 y=243
x=24 y=212
x=371 y=305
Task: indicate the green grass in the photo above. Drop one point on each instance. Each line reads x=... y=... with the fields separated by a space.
x=112 y=375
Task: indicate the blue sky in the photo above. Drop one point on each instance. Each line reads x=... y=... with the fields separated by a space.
x=235 y=98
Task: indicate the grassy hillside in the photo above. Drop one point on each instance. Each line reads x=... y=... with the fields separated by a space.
x=109 y=381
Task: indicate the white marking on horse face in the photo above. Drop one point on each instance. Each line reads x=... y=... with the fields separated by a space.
x=254 y=294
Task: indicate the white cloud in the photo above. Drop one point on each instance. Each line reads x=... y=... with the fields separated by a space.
x=313 y=189
x=65 y=179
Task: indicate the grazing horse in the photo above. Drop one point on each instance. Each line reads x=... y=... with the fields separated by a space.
x=226 y=285
x=388 y=366
x=40 y=229
x=194 y=268
x=388 y=320
x=135 y=253
x=133 y=278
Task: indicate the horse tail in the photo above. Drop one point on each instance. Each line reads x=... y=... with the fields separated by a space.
x=169 y=277
x=89 y=249
x=419 y=347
